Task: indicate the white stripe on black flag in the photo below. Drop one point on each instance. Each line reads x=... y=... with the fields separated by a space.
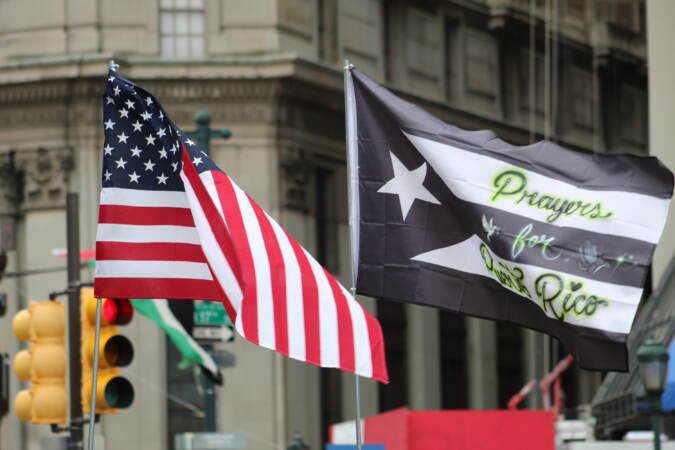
x=540 y=236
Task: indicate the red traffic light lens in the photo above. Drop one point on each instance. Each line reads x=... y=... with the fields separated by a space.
x=117 y=311
x=109 y=310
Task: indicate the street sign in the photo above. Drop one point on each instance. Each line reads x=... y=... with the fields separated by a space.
x=218 y=333
x=210 y=441
x=212 y=324
x=210 y=313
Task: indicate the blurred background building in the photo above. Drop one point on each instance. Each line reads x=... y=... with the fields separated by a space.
x=573 y=71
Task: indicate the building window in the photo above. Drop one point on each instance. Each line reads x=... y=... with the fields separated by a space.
x=633 y=115
x=582 y=97
x=423 y=48
x=525 y=82
x=181 y=25
x=626 y=15
x=576 y=9
x=481 y=64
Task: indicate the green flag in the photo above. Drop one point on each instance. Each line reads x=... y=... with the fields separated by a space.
x=158 y=311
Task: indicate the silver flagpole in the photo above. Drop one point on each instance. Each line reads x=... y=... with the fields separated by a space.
x=94 y=376
x=352 y=189
x=97 y=335
x=357 y=395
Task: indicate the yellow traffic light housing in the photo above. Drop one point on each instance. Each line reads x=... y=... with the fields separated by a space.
x=43 y=324
x=112 y=390
x=23 y=405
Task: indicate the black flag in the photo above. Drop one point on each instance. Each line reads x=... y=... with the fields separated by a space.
x=540 y=236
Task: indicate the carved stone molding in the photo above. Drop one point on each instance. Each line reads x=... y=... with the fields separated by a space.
x=296 y=164
x=49 y=103
x=204 y=89
x=226 y=113
x=49 y=91
x=184 y=90
x=45 y=176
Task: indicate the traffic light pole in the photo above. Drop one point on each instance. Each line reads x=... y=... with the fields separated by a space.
x=74 y=368
x=203 y=135
x=209 y=397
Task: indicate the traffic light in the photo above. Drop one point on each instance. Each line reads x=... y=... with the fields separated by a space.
x=43 y=364
x=112 y=390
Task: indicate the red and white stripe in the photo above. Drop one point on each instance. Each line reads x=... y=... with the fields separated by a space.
x=278 y=296
x=147 y=246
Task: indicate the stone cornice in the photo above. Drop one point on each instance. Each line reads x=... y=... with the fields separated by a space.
x=238 y=86
x=168 y=90
x=138 y=69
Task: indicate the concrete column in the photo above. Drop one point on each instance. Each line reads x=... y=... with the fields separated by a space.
x=424 y=373
x=587 y=385
x=529 y=366
x=660 y=36
x=482 y=356
x=537 y=363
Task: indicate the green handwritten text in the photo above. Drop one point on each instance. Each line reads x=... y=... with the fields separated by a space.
x=562 y=299
x=512 y=184
x=510 y=277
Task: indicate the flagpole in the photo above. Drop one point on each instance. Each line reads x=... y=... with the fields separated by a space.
x=94 y=376
x=352 y=163
x=357 y=397
x=112 y=66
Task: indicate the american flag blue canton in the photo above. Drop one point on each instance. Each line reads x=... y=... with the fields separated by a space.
x=142 y=148
x=147 y=245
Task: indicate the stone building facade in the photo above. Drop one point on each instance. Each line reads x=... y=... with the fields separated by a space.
x=270 y=71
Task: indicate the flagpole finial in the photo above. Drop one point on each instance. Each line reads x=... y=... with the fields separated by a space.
x=348 y=65
x=113 y=66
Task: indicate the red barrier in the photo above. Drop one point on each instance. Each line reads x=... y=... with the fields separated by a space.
x=390 y=428
x=402 y=429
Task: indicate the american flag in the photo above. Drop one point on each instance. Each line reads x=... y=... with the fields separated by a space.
x=173 y=225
